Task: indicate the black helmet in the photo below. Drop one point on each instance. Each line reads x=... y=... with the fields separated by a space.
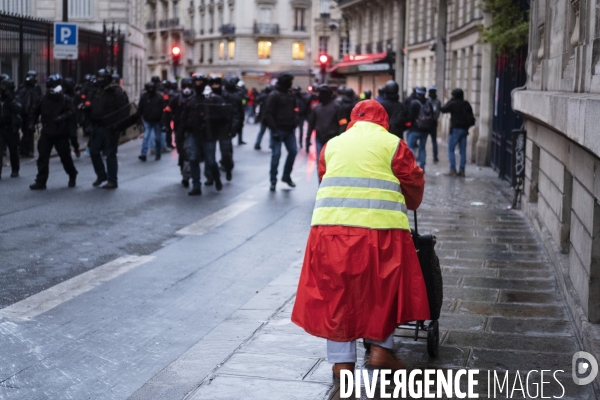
x=458 y=94
x=349 y=93
x=186 y=82
x=174 y=84
x=368 y=94
x=53 y=81
x=149 y=86
x=116 y=78
x=31 y=77
x=103 y=77
x=230 y=84
x=391 y=88
x=268 y=89
x=199 y=77
x=155 y=79
x=7 y=85
x=380 y=90
x=69 y=85
x=87 y=78
x=215 y=80
x=166 y=84
x=297 y=88
x=4 y=77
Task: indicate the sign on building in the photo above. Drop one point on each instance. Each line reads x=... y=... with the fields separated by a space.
x=66 y=41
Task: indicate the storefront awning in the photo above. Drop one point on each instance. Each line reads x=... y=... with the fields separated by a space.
x=353 y=64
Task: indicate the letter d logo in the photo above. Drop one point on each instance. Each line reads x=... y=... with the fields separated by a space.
x=583 y=364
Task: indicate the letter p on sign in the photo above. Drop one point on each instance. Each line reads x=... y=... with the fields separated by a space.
x=65 y=34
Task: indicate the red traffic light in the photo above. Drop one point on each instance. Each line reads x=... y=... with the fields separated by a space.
x=324 y=59
x=176 y=51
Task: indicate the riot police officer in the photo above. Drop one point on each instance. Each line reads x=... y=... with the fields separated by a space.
x=232 y=96
x=29 y=95
x=69 y=91
x=10 y=122
x=56 y=110
x=106 y=103
x=172 y=113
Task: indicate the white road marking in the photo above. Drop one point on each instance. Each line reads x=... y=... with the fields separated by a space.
x=52 y=297
x=216 y=219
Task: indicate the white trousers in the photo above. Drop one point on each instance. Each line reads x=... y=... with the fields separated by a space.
x=345 y=352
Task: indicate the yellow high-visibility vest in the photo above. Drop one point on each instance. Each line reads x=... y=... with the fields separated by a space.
x=359 y=188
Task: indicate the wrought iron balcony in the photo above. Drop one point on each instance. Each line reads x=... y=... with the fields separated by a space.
x=228 y=29
x=150 y=25
x=169 y=23
x=299 y=29
x=266 y=29
x=189 y=35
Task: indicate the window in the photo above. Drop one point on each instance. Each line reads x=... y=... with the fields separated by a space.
x=165 y=11
x=325 y=8
x=323 y=45
x=265 y=15
x=17 y=7
x=298 y=51
x=231 y=49
x=344 y=47
x=211 y=17
x=201 y=53
x=79 y=8
x=221 y=50
x=211 y=52
x=299 y=19
x=175 y=9
x=264 y=49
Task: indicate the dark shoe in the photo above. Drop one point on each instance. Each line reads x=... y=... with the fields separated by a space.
x=110 y=185
x=218 y=184
x=461 y=174
x=257 y=147
x=98 y=182
x=272 y=188
x=289 y=182
x=384 y=358
x=450 y=173
x=14 y=174
x=228 y=176
x=195 y=192
x=37 y=186
x=157 y=158
x=436 y=160
x=209 y=183
x=72 y=181
x=185 y=183
x=240 y=143
x=77 y=153
x=142 y=158
x=338 y=367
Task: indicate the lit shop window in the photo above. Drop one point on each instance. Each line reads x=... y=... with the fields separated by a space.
x=221 y=50
x=264 y=49
x=231 y=49
x=298 y=51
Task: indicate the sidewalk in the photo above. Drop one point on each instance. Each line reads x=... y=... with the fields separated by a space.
x=503 y=311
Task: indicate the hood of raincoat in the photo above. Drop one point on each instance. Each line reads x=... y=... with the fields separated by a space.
x=369 y=111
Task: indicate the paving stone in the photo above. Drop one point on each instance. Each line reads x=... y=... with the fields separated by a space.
x=499 y=256
x=526 y=247
x=511 y=296
x=462 y=322
x=517 y=360
x=518 y=240
x=282 y=366
x=479 y=247
x=515 y=284
x=519 y=265
x=485 y=272
x=505 y=234
x=320 y=373
x=462 y=263
x=298 y=345
x=496 y=341
x=451 y=280
x=471 y=294
x=233 y=387
x=523 y=273
x=531 y=326
x=474 y=241
x=283 y=326
x=511 y=310
x=443 y=254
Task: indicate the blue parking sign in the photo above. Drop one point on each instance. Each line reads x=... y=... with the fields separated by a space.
x=65 y=34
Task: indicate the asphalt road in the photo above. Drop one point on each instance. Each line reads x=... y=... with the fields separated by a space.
x=116 y=335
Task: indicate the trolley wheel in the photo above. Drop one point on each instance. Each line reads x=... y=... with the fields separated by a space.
x=367 y=346
x=433 y=338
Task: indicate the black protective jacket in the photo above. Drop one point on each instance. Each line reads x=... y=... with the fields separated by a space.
x=237 y=109
x=206 y=117
x=29 y=96
x=174 y=111
x=56 y=111
x=396 y=114
x=460 y=113
x=413 y=113
x=10 y=116
x=323 y=119
x=106 y=101
x=281 y=110
x=346 y=106
x=151 y=107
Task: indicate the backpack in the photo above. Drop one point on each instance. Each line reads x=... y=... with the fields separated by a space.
x=426 y=119
x=467 y=114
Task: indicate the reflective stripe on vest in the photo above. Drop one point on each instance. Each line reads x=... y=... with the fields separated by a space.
x=359 y=188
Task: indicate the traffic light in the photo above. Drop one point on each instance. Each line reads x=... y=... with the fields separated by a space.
x=324 y=61
x=176 y=55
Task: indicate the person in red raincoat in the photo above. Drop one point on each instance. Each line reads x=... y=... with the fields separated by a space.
x=361 y=276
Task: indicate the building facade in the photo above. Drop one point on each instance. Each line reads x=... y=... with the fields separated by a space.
x=425 y=42
x=561 y=105
x=127 y=17
x=253 y=39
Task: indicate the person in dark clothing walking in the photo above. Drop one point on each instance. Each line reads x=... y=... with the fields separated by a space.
x=380 y=94
x=204 y=117
x=281 y=116
x=56 y=111
x=347 y=103
x=303 y=102
x=10 y=123
x=461 y=119
x=150 y=108
x=417 y=133
x=106 y=103
x=435 y=103
x=172 y=113
x=394 y=108
x=28 y=95
x=69 y=91
x=323 y=119
x=232 y=97
x=261 y=102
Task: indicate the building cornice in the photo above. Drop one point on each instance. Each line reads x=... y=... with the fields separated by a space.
x=465 y=30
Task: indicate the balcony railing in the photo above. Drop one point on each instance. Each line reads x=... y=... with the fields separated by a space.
x=228 y=29
x=266 y=29
x=189 y=35
x=150 y=25
x=168 y=23
x=299 y=29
